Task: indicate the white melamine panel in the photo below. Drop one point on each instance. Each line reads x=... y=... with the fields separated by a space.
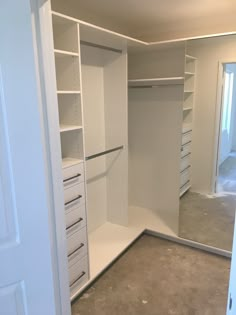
x=74 y=193
x=185 y=162
x=188 y=100
x=155 y=117
x=115 y=100
x=69 y=109
x=162 y=63
x=156 y=81
x=67 y=73
x=65 y=34
x=185 y=176
x=185 y=149
x=76 y=242
x=72 y=144
x=186 y=137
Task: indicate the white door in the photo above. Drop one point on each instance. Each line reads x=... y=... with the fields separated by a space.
x=231 y=307
x=28 y=277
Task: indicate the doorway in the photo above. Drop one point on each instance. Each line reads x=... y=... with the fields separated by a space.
x=226 y=165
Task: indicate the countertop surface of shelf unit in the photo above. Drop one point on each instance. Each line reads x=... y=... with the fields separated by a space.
x=110 y=240
x=68 y=92
x=64 y=128
x=67 y=162
x=62 y=53
x=156 y=81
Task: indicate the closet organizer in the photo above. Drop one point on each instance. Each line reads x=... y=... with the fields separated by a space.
x=119 y=181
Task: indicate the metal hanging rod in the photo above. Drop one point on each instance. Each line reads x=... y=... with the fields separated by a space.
x=82 y=42
x=104 y=152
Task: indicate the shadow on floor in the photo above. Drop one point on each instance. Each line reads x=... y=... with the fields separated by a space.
x=159 y=277
x=208 y=219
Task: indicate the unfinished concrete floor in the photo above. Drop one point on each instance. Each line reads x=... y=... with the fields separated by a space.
x=208 y=219
x=159 y=277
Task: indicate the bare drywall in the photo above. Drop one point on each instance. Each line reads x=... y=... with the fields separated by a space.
x=208 y=52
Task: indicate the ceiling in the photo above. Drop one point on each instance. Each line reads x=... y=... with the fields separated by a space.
x=154 y=20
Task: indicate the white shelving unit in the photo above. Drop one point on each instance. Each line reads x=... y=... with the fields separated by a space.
x=188 y=107
x=68 y=78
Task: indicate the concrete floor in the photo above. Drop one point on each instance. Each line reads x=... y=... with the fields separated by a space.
x=208 y=219
x=227 y=175
x=159 y=277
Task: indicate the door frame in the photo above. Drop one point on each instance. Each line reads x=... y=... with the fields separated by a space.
x=218 y=121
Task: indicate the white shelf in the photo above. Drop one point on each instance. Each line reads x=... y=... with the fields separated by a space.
x=189 y=92
x=67 y=162
x=187 y=109
x=68 y=92
x=189 y=73
x=188 y=57
x=64 y=128
x=156 y=81
x=65 y=53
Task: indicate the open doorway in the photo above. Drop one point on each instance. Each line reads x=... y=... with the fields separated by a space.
x=226 y=166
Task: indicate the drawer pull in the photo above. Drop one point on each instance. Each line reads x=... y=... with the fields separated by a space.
x=70 y=226
x=185 y=184
x=70 y=178
x=185 y=155
x=81 y=245
x=80 y=276
x=185 y=169
x=77 y=198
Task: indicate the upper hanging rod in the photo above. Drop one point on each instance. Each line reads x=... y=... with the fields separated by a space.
x=103 y=153
x=82 y=42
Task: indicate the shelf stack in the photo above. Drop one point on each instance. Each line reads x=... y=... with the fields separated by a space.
x=68 y=76
x=188 y=104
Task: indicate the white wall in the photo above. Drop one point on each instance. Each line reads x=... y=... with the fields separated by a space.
x=208 y=52
x=233 y=121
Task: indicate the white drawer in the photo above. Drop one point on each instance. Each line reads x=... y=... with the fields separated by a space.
x=185 y=176
x=185 y=162
x=75 y=214
x=184 y=188
x=186 y=137
x=73 y=174
x=78 y=273
x=76 y=241
x=74 y=195
x=185 y=149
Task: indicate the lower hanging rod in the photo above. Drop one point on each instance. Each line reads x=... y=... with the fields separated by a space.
x=104 y=152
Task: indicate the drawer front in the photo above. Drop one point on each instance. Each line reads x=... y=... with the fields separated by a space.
x=185 y=149
x=185 y=162
x=76 y=241
x=184 y=188
x=74 y=195
x=73 y=175
x=78 y=273
x=185 y=176
x=186 y=137
x=75 y=214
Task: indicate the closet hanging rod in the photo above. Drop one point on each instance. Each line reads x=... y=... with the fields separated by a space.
x=104 y=152
x=83 y=42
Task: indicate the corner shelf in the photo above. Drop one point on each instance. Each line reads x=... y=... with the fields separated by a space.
x=156 y=82
x=59 y=53
x=187 y=109
x=190 y=58
x=188 y=92
x=189 y=74
x=67 y=162
x=64 y=128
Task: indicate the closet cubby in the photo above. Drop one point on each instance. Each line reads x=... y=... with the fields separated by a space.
x=70 y=112
x=188 y=101
x=67 y=73
x=65 y=35
x=72 y=144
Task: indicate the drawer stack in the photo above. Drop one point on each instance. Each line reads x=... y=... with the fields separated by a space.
x=76 y=233
x=185 y=163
